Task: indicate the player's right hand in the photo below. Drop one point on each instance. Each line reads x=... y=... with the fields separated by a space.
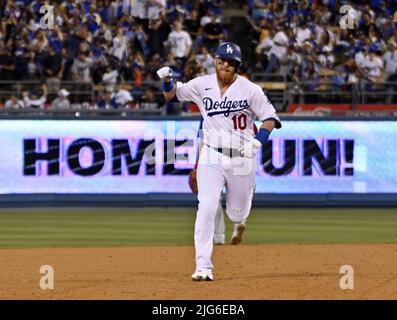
x=164 y=72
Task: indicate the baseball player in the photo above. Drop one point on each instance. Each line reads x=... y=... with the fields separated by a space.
x=229 y=104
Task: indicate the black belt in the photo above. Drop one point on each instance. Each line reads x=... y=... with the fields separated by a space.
x=232 y=153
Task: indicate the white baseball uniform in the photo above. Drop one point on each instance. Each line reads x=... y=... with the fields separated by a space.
x=228 y=123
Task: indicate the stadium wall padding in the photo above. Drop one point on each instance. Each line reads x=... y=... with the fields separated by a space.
x=190 y=200
x=92 y=161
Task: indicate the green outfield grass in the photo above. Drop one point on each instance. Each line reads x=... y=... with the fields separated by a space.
x=22 y=228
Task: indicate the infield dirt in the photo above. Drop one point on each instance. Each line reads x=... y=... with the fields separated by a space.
x=241 y=272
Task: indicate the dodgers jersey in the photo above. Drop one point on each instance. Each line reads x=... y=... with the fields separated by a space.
x=228 y=119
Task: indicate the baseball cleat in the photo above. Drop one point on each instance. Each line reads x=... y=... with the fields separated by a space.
x=202 y=276
x=237 y=236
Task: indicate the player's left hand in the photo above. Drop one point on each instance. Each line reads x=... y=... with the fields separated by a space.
x=250 y=149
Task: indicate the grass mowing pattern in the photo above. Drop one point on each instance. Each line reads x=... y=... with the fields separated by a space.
x=93 y=227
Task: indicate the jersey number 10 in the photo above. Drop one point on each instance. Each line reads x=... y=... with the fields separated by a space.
x=239 y=121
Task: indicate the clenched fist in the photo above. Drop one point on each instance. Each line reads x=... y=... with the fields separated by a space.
x=164 y=72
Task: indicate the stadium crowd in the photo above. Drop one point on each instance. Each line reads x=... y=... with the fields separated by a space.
x=113 y=48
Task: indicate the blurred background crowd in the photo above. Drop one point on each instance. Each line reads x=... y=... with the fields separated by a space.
x=103 y=54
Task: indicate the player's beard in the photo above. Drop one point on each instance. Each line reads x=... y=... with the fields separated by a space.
x=226 y=75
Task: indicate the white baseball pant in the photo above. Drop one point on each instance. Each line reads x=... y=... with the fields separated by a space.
x=216 y=170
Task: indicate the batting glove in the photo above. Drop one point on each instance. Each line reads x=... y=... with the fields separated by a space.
x=250 y=149
x=164 y=72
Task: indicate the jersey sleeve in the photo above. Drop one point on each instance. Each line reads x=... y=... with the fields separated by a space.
x=188 y=91
x=263 y=108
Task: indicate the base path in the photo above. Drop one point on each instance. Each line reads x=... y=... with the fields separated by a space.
x=241 y=272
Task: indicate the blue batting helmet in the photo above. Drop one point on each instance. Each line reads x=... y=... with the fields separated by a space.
x=229 y=50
